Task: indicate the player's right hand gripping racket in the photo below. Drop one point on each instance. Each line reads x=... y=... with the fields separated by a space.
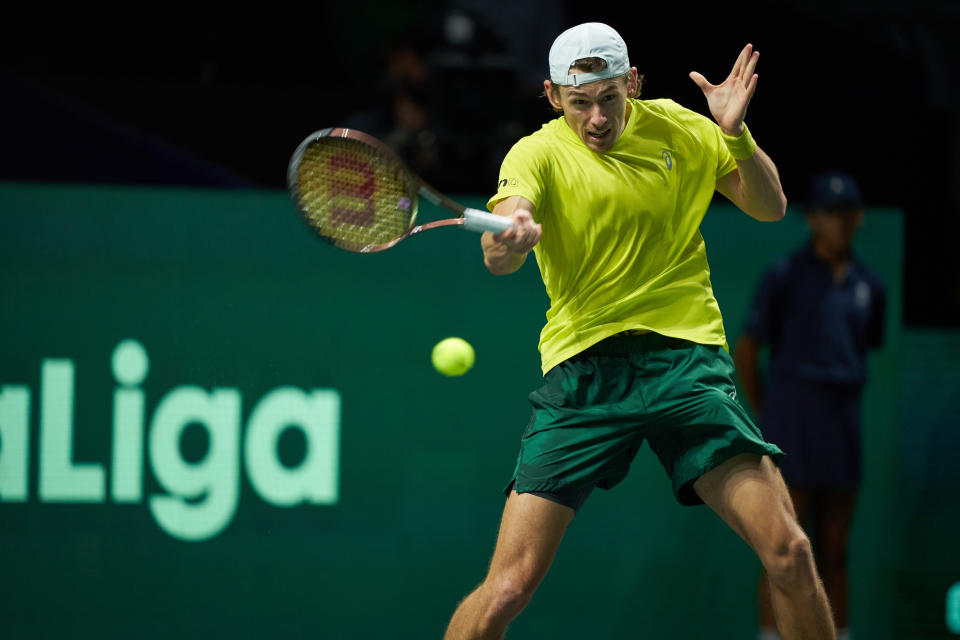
x=356 y=193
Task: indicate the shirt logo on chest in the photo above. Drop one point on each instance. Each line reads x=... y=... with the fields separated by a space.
x=667 y=159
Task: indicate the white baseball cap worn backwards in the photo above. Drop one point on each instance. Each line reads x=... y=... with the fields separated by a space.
x=588 y=40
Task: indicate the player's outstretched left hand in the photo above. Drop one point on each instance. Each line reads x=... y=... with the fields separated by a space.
x=728 y=101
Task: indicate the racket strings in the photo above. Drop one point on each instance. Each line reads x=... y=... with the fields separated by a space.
x=352 y=195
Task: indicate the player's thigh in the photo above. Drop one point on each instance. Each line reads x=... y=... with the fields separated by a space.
x=530 y=534
x=749 y=494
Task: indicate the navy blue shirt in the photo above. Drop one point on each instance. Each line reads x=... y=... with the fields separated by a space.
x=818 y=329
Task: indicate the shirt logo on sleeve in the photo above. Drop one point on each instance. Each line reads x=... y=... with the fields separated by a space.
x=505 y=181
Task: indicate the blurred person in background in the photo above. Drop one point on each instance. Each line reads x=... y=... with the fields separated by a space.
x=403 y=118
x=425 y=108
x=818 y=311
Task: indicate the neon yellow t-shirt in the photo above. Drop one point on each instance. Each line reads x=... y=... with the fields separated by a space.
x=621 y=247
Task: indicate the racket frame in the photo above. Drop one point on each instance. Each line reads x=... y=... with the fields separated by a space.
x=469 y=218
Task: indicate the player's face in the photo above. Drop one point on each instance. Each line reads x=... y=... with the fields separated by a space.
x=596 y=112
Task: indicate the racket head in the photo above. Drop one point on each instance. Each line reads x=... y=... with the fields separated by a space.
x=352 y=190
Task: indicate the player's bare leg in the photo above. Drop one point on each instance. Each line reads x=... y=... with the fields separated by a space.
x=530 y=534
x=801 y=504
x=748 y=493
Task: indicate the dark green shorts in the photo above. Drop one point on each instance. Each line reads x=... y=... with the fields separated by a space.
x=594 y=411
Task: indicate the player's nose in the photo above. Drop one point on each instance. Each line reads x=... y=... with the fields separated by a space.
x=597 y=115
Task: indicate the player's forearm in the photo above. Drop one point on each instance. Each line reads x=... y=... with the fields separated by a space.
x=760 y=189
x=499 y=258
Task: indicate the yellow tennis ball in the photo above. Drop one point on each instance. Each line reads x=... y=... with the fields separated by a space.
x=452 y=356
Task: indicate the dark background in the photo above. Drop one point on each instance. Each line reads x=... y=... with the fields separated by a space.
x=218 y=95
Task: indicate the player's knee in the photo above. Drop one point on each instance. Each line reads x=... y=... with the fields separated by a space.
x=790 y=563
x=509 y=596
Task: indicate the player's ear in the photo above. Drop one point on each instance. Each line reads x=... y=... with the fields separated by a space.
x=553 y=94
x=633 y=82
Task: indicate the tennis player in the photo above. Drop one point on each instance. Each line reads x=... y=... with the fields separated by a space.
x=609 y=196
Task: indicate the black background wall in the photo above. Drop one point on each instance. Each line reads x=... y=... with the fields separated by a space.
x=214 y=94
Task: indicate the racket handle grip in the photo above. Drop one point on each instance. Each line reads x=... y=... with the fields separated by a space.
x=480 y=221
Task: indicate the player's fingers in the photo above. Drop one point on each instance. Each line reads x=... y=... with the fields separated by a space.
x=740 y=64
x=750 y=67
x=527 y=228
x=513 y=235
x=533 y=239
x=700 y=80
x=528 y=237
x=507 y=236
x=521 y=217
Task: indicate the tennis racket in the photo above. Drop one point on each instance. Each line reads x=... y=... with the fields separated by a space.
x=356 y=193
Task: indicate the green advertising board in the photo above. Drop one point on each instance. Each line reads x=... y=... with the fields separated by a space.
x=212 y=424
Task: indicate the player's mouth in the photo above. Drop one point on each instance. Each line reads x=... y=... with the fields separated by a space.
x=598 y=135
